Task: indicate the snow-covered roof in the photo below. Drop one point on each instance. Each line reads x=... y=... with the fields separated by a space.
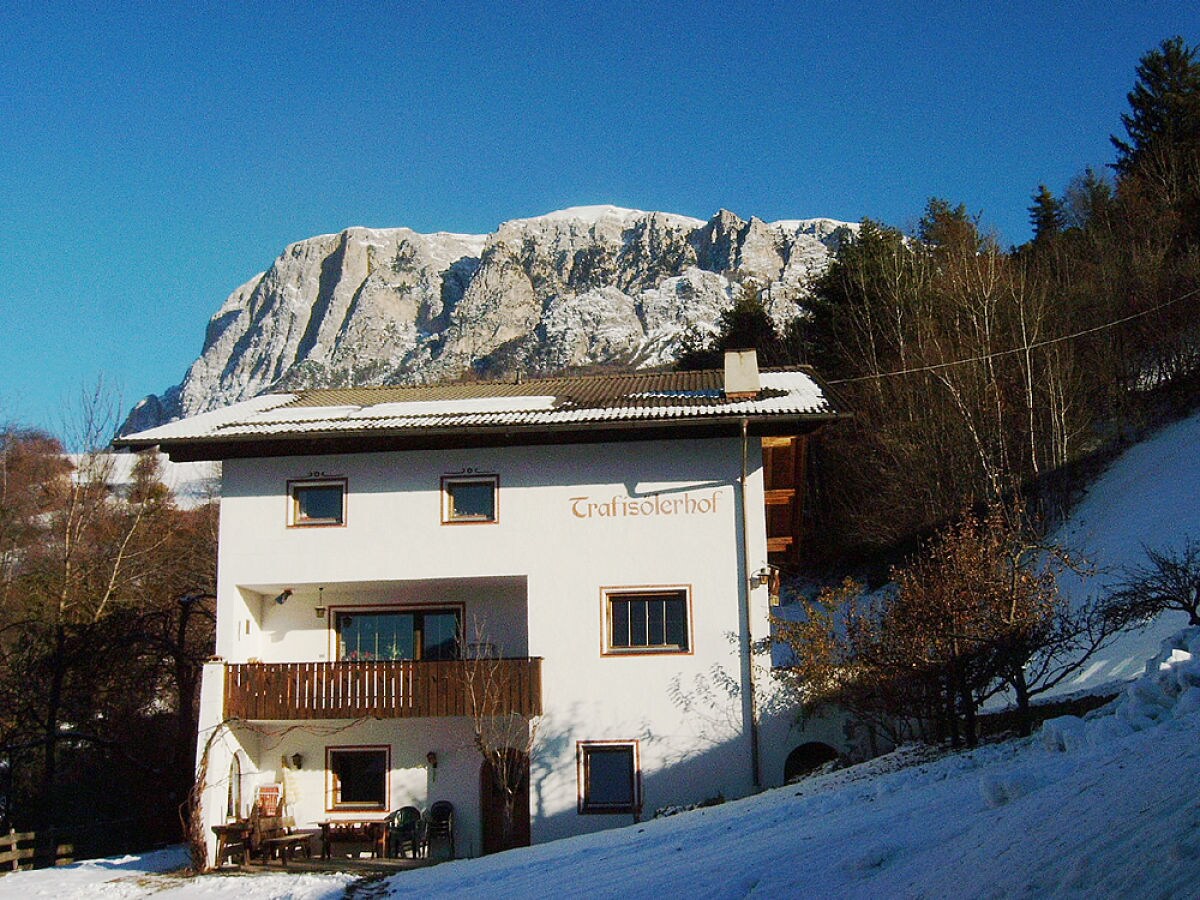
x=191 y=484
x=581 y=404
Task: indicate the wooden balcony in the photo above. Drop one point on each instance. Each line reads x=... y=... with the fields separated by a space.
x=400 y=689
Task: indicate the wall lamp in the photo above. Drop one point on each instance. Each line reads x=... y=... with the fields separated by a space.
x=761 y=577
x=282 y=598
x=431 y=758
x=297 y=760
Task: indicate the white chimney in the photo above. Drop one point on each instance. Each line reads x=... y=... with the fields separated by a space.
x=741 y=375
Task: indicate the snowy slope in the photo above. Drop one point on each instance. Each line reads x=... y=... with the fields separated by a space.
x=1150 y=496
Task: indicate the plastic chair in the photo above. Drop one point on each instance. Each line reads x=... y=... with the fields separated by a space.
x=440 y=824
x=405 y=827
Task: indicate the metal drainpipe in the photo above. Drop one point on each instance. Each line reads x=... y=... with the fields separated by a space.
x=750 y=701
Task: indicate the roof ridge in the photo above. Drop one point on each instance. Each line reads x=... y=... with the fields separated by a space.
x=506 y=382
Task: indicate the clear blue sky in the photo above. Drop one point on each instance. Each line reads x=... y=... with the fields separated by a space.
x=155 y=156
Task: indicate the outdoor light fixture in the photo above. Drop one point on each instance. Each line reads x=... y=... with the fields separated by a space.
x=761 y=577
x=431 y=758
x=320 y=612
x=320 y=602
x=282 y=598
x=297 y=759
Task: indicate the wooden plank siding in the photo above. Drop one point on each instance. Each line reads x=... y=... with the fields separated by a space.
x=784 y=475
x=396 y=689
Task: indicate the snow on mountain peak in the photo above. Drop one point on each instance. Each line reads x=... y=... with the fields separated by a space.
x=604 y=213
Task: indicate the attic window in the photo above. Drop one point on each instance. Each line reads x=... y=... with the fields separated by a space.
x=467 y=500
x=317 y=502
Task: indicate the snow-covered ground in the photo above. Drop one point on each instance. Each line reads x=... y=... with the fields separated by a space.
x=1105 y=807
x=1150 y=496
x=158 y=874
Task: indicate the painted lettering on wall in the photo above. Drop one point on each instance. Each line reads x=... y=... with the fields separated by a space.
x=618 y=507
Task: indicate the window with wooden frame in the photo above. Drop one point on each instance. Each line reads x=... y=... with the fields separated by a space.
x=314 y=503
x=647 y=620
x=470 y=499
x=358 y=777
x=386 y=634
x=610 y=778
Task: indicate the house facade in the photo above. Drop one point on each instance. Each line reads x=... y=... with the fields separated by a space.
x=571 y=573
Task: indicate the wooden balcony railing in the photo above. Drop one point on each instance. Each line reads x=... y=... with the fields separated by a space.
x=385 y=690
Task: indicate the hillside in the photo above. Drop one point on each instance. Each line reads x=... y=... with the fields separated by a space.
x=586 y=285
x=1148 y=497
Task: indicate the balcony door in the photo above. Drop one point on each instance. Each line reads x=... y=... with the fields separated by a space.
x=425 y=634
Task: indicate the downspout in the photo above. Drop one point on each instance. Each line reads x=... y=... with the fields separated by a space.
x=749 y=699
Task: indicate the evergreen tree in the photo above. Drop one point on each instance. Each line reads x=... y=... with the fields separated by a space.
x=949 y=228
x=744 y=325
x=1045 y=215
x=1164 y=105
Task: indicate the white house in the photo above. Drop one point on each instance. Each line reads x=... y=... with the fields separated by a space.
x=596 y=546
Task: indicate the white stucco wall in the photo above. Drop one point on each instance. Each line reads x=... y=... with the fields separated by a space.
x=535 y=581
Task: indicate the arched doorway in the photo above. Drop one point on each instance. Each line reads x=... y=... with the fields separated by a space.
x=512 y=768
x=805 y=759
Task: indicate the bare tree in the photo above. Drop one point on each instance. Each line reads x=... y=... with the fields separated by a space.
x=976 y=612
x=504 y=727
x=90 y=574
x=1168 y=580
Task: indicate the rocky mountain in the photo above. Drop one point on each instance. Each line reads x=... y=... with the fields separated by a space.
x=572 y=288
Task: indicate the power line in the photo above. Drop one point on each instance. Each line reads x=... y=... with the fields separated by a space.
x=1023 y=349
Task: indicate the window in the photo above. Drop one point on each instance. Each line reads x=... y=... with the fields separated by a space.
x=233 y=799
x=647 y=621
x=367 y=634
x=609 y=778
x=469 y=500
x=358 y=777
x=317 y=502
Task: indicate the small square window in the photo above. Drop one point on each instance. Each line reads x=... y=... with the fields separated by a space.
x=317 y=503
x=609 y=778
x=358 y=777
x=647 y=621
x=467 y=500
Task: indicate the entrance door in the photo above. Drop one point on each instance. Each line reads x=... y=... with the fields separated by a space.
x=492 y=797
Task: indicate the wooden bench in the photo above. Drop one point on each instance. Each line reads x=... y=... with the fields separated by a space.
x=271 y=835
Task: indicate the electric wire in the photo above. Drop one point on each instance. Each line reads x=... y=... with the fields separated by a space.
x=1023 y=349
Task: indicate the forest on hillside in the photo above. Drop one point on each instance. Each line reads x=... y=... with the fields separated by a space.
x=973 y=370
